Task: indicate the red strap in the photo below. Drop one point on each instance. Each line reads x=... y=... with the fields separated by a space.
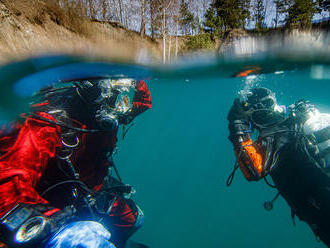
x=51 y=212
x=122 y=214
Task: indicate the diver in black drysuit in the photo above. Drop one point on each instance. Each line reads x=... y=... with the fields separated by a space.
x=293 y=149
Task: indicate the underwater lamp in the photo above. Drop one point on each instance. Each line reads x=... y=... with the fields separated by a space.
x=317 y=127
x=32 y=229
x=23 y=225
x=81 y=234
x=316 y=121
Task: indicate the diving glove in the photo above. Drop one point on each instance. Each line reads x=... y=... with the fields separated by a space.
x=237 y=112
x=239 y=124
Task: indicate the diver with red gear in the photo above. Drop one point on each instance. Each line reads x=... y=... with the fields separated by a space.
x=293 y=148
x=54 y=166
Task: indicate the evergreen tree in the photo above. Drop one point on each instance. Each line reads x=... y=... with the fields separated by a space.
x=259 y=14
x=197 y=25
x=300 y=14
x=233 y=13
x=281 y=8
x=187 y=18
x=212 y=23
x=324 y=6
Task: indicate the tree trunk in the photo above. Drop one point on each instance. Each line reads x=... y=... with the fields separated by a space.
x=169 y=49
x=143 y=25
x=121 y=11
x=115 y=11
x=91 y=9
x=176 y=40
x=104 y=10
x=276 y=18
x=152 y=10
x=128 y=14
x=125 y=15
x=164 y=33
x=83 y=7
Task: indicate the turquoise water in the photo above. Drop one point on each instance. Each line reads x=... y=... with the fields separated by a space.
x=178 y=157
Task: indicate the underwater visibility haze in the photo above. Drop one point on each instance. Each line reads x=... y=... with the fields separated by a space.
x=177 y=155
x=184 y=159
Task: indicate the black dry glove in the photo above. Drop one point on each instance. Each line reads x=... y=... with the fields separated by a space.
x=239 y=124
x=237 y=112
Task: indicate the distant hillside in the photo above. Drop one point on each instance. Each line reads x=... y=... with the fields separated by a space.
x=34 y=27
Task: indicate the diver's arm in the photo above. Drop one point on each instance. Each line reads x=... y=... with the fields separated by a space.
x=24 y=163
x=247 y=155
x=20 y=171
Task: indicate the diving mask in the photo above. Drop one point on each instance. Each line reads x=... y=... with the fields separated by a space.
x=115 y=102
x=262 y=107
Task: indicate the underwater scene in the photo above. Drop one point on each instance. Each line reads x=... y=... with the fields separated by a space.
x=182 y=158
x=177 y=155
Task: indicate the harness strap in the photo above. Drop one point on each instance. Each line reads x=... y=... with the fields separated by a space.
x=70 y=142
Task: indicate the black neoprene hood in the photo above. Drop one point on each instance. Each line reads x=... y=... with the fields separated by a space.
x=261 y=98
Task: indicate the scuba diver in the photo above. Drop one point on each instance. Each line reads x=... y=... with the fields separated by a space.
x=293 y=147
x=57 y=186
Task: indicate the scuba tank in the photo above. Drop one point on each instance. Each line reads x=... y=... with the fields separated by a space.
x=316 y=128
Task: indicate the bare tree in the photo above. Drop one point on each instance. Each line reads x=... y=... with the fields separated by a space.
x=164 y=34
x=92 y=10
x=175 y=16
x=104 y=9
x=143 y=4
x=169 y=48
x=83 y=8
x=156 y=23
x=117 y=11
x=277 y=10
x=115 y=16
x=176 y=37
